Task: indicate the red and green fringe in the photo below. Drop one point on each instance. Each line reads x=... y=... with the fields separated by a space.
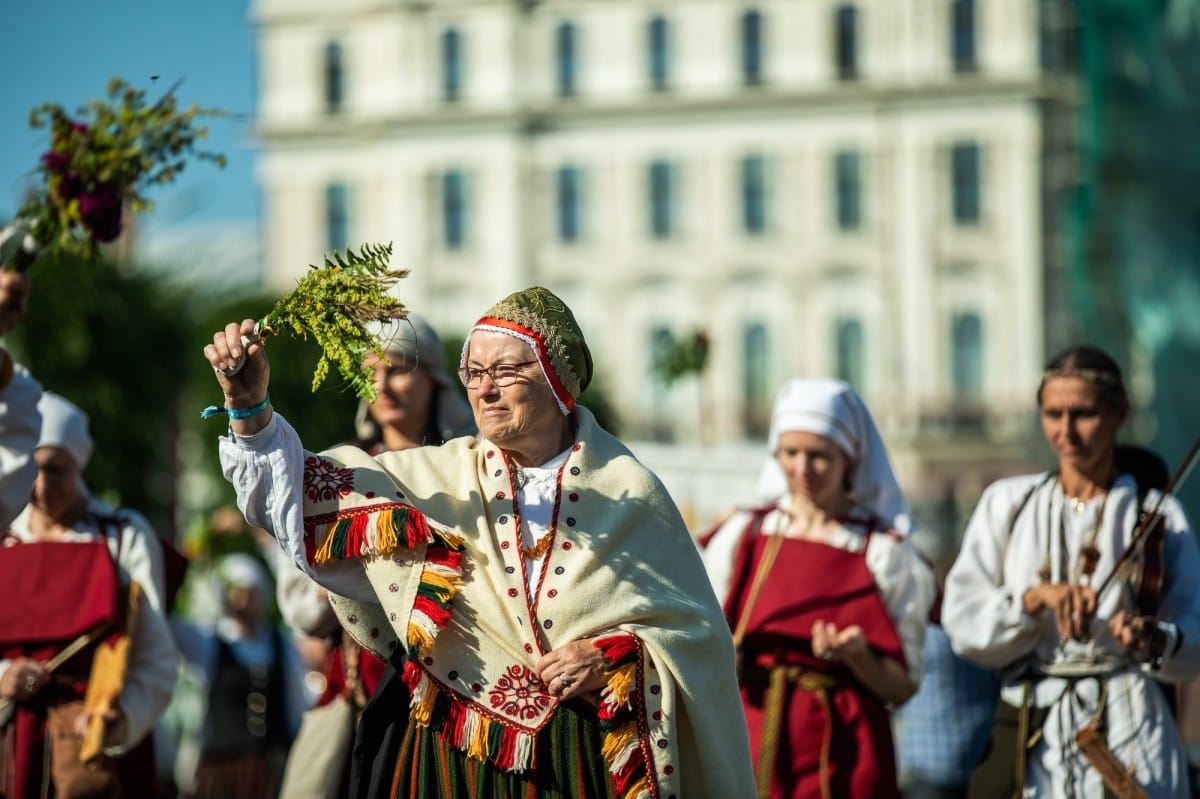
x=366 y=531
x=619 y=719
x=465 y=727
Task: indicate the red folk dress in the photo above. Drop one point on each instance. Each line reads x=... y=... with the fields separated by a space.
x=834 y=734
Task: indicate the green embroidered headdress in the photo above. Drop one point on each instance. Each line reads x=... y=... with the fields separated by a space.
x=543 y=321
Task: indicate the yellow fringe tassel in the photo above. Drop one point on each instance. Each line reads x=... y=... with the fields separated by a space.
x=445 y=584
x=616 y=740
x=385 y=533
x=324 y=553
x=640 y=787
x=423 y=712
x=478 y=748
x=620 y=682
x=419 y=637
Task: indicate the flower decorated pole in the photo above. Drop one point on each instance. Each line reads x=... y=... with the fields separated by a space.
x=101 y=161
x=335 y=304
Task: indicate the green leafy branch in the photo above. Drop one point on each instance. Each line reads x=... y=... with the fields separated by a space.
x=334 y=304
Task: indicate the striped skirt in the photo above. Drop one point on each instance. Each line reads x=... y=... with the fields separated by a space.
x=567 y=757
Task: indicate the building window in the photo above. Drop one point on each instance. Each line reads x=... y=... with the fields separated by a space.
x=566 y=59
x=661 y=190
x=337 y=217
x=845 y=41
x=658 y=52
x=569 y=191
x=848 y=338
x=334 y=78
x=965 y=188
x=966 y=356
x=756 y=381
x=454 y=209
x=452 y=67
x=962 y=35
x=662 y=344
x=848 y=189
x=754 y=195
x=752 y=48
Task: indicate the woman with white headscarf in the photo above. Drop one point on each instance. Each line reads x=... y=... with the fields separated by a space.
x=827 y=598
x=60 y=563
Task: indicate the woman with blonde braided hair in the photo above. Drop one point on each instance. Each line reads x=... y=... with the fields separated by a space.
x=827 y=598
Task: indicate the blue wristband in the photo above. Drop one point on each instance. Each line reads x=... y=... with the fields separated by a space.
x=236 y=413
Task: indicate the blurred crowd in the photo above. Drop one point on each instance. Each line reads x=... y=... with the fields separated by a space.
x=815 y=644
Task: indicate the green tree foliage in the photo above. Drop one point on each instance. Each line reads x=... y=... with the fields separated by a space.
x=684 y=357
x=112 y=343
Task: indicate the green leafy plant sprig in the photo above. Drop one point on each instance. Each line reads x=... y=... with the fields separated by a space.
x=102 y=159
x=335 y=303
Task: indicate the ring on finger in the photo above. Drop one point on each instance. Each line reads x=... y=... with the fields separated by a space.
x=567 y=682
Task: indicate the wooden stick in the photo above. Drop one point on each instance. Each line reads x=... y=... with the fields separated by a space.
x=62 y=656
x=1151 y=519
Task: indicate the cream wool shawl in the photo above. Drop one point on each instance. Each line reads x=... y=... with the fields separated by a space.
x=436 y=531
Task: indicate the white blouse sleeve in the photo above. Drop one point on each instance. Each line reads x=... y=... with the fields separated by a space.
x=267 y=472
x=982 y=615
x=141 y=557
x=908 y=588
x=303 y=604
x=20 y=426
x=719 y=553
x=150 y=675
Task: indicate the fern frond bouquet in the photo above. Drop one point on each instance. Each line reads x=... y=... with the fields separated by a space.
x=336 y=303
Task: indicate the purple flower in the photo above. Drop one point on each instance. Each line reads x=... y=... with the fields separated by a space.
x=101 y=213
x=69 y=187
x=55 y=161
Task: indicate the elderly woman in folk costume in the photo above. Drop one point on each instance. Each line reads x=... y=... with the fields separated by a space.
x=538 y=585
x=1029 y=595
x=416 y=405
x=827 y=598
x=61 y=564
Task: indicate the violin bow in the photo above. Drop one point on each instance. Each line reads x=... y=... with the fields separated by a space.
x=1152 y=518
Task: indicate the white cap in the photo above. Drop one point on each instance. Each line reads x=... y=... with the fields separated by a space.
x=65 y=426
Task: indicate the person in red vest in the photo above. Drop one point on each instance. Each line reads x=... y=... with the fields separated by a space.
x=827 y=598
x=61 y=564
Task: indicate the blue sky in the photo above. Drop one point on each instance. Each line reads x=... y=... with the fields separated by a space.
x=65 y=51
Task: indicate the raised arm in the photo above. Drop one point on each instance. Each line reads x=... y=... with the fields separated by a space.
x=264 y=459
x=247 y=399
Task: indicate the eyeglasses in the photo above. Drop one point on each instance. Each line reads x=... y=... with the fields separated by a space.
x=502 y=374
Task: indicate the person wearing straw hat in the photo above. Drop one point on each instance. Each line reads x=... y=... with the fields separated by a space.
x=827 y=598
x=537 y=585
x=58 y=554
x=1083 y=709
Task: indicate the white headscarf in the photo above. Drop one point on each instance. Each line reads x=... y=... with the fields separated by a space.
x=415 y=341
x=832 y=409
x=245 y=571
x=65 y=426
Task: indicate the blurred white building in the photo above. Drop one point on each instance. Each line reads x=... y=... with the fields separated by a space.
x=859 y=189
